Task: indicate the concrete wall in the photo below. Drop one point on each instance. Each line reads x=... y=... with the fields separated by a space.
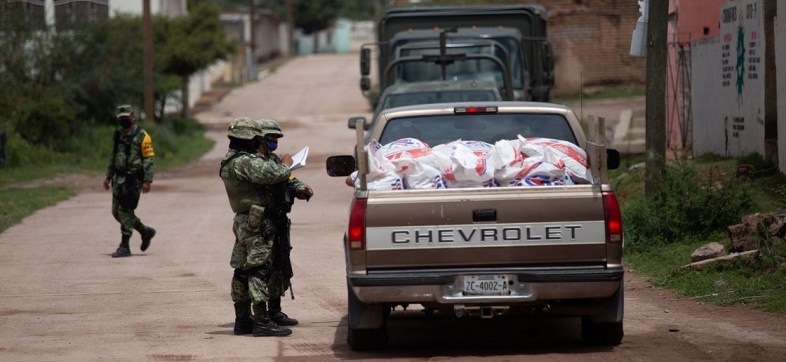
x=267 y=37
x=336 y=39
x=689 y=21
x=737 y=75
x=780 y=61
x=709 y=134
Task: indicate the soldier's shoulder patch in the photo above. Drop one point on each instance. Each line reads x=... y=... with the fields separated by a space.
x=147 y=146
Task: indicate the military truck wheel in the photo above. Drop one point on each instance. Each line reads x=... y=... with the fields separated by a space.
x=601 y=333
x=366 y=329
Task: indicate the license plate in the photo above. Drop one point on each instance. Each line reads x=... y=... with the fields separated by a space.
x=486 y=285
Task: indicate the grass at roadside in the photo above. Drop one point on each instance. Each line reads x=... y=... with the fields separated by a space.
x=18 y=203
x=609 y=92
x=176 y=142
x=698 y=192
x=741 y=282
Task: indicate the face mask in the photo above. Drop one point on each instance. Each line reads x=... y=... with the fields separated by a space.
x=271 y=144
x=125 y=122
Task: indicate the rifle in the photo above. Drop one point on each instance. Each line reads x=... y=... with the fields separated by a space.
x=283 y=198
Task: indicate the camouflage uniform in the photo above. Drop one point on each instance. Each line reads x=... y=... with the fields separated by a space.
x=249 y=179
x=139 y=163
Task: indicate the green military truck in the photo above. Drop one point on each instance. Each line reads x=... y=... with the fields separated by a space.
x=505 y=43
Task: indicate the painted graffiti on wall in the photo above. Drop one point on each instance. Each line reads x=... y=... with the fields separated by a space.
x=742 y=77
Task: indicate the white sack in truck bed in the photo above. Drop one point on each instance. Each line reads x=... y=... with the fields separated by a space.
x=409 y=163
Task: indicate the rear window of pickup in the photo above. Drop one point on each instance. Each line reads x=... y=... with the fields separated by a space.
x=490 y=128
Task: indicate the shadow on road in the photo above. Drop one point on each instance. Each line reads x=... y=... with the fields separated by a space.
x=413 y=334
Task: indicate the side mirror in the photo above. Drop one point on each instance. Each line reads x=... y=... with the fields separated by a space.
x=365 y=61
x=612 y=159
x=342 y=165
x=353 y=121
x=365 y=83
x=548 y=54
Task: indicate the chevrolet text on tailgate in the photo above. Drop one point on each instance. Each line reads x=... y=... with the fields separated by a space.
x=486 y=250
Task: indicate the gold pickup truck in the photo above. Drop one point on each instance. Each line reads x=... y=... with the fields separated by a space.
x=484 y=251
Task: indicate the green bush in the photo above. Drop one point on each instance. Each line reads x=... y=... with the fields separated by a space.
x=168 y=136
x=689 y=202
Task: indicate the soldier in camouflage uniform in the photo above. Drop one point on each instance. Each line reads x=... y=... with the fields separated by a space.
x=253 y=176
x=130 y=172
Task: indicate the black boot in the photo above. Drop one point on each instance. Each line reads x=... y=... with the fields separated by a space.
x=264 y=327
x=147 y=234
x=244 y=322
x=123 y=250
x=275 y=314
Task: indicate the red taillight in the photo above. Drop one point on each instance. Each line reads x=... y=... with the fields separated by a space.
x=460 y=110
x=613 y=218
x=356 y=235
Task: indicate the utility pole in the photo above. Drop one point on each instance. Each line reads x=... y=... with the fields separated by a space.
x=252 y=58
x=147 y=34
x=655 y=127
x=770 y=83
x=291 y=27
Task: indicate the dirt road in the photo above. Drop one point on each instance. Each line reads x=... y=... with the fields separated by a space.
x=62 y=297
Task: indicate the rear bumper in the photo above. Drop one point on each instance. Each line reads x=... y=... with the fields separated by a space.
x=527 y=285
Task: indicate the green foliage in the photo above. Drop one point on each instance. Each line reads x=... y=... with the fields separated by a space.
x=609 y=92
x=192 y=43
x=57 y=84
x=101 y=65
x=356 y=9
x=689 y=201
x=757 y=281
x=661 y=234
x=350 y=9
x=177 y=141
x=315 y=15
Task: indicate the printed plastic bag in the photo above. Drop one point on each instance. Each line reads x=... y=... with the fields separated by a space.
x=406 y=152
x=469 y=163
x=415 y=162
x=382 y=175
x=560 y=153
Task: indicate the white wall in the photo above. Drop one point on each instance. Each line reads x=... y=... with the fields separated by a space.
x=157 y=7
x=728 y=84
x=708 y=119
x=780 y=63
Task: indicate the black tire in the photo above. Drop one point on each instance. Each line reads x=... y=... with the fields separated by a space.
x=601 y=333
x=365 y=339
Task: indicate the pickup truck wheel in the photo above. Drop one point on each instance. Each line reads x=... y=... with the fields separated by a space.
x=601 y=333
x=367 y=339
x=366 y=328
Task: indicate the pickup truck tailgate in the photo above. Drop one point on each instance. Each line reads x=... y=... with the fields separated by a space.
x=495 y=227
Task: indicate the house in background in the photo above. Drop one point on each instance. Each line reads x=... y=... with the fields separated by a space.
x=725 y=95
x=688 y=22
x=59 y=13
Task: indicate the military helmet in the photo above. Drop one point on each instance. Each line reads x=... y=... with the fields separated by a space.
x=269 y=126
x=124 y=111
x=244 y=128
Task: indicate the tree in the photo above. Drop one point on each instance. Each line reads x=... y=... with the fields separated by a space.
x=191 y=44
x=315 y=15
